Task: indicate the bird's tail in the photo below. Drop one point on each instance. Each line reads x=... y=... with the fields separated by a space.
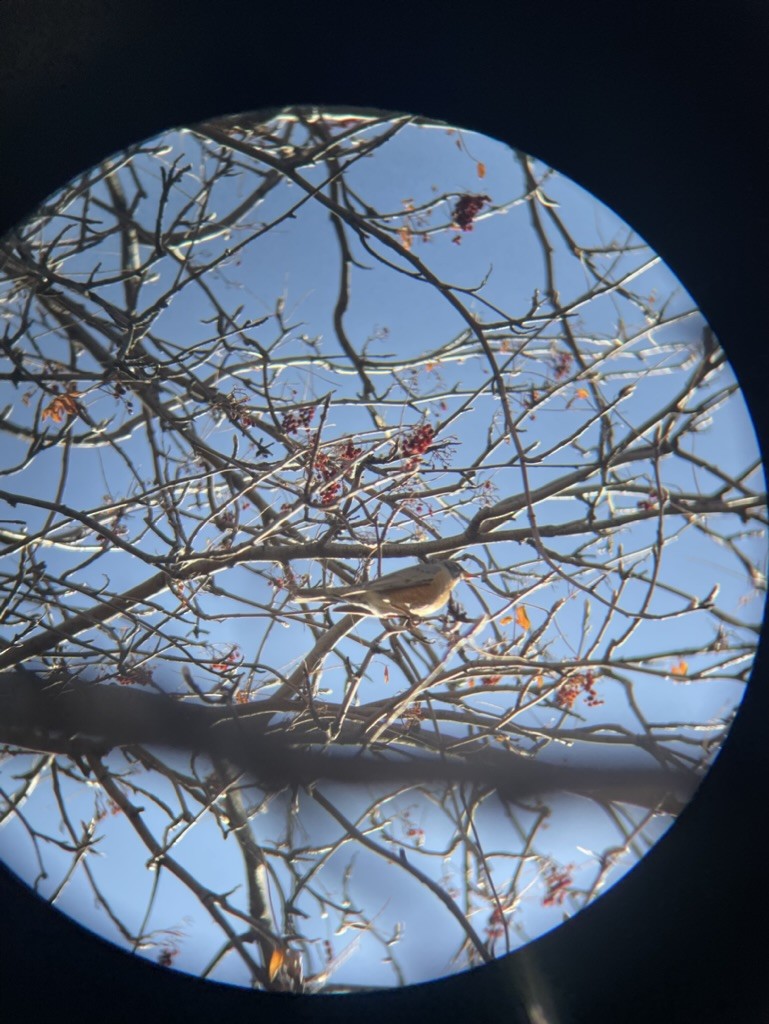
x=318 y=594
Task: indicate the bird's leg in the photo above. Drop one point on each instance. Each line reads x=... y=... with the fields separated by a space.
x=392 y=627
x=412 y=624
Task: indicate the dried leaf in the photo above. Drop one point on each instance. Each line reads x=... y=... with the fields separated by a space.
x=481 y=170
x=53 y=411
x=680 y=669
x=277 y=958
x=62 y=405
x=405 y=234
x=582 y=393
x=522 y=617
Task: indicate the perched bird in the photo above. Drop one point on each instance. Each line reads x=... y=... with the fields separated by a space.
x=416 y=591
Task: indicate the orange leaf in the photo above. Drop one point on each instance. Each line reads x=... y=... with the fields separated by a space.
x=506 y=620
x=62 y=405
x=53 y=411
x=481 y=170
x=522 y=617
x=680 y=669
x=276 y=962
x=405 y=236
x=582 y=393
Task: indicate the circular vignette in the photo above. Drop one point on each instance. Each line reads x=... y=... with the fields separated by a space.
x=305 y=350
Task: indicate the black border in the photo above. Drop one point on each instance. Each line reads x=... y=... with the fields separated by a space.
x=661 y=111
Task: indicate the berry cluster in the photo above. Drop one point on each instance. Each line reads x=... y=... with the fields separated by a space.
x=417 y=507
x=303 y=417
x=329 y=494
x=490 y=680
x=487 y=494
x=348 y=452
x=558 y=881
x=167 y=955
x=652 y=502
x=111 y=809
x=413 y=715
x=562 y=362
x=495 y=929
x=236 y=408
x=416 y=835
x=118 y=391
x=326 y=469
x=132 y=675
x=582 y=683
x=531 y=400
x=231 y=660
x=181 y=591
x=467 y=209
x=417 y=443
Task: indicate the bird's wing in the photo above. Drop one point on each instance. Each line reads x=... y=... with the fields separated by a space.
x=332 y=593
x=414 y=576
x=421 y=575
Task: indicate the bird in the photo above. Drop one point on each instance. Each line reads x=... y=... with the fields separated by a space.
x=418 y=590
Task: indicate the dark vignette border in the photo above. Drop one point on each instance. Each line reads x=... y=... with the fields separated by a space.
x=661 y=112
